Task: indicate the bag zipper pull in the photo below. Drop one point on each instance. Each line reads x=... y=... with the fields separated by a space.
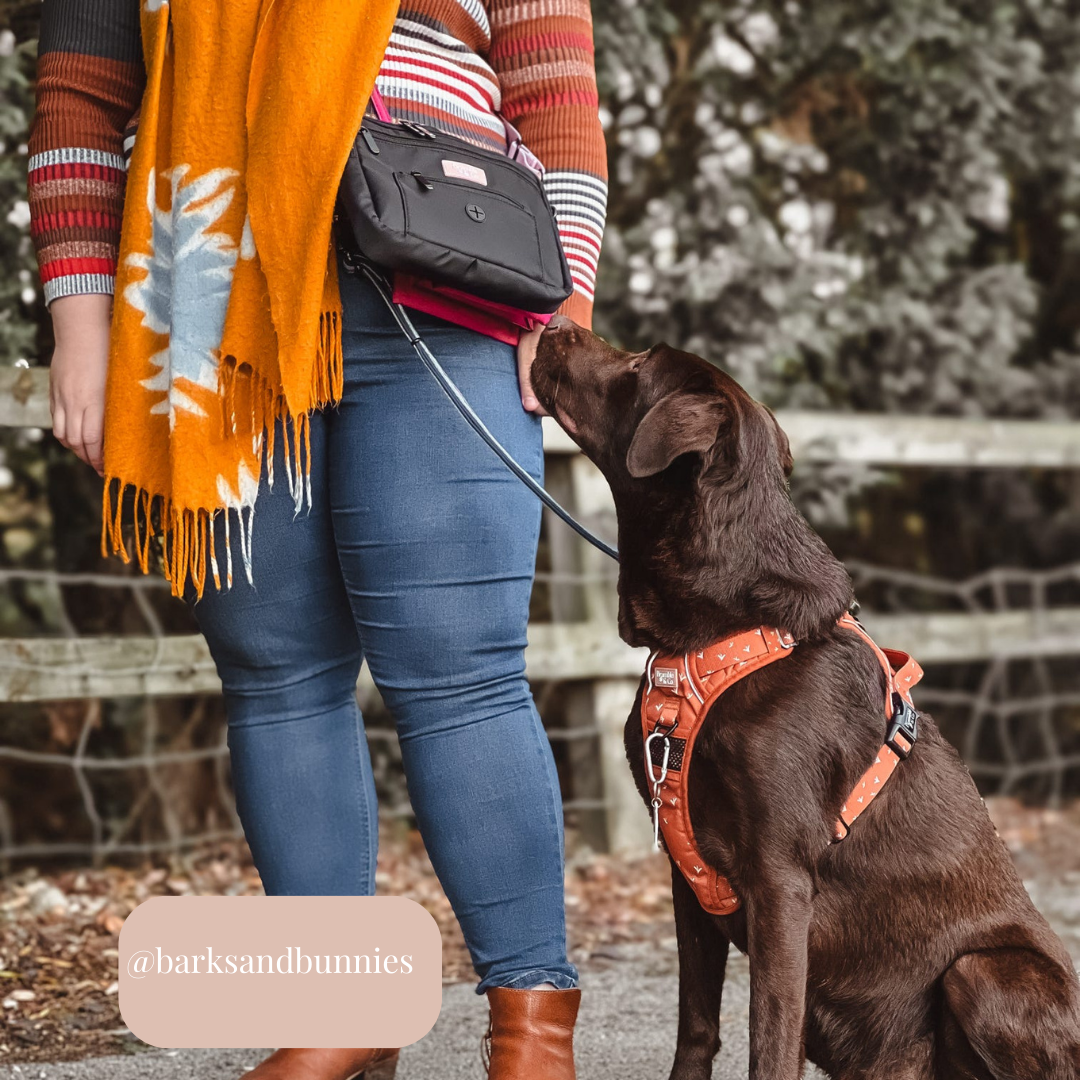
x=417 y=129
x=373 y=146
x=423 y=181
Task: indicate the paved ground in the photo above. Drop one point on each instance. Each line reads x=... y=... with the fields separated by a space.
x=627 y=1031
x=627 y=1028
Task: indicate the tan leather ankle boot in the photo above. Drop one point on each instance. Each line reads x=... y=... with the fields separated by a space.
x=531 y=1034
x=325 y=1064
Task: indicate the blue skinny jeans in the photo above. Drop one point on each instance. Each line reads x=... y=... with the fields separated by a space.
x=418 y=554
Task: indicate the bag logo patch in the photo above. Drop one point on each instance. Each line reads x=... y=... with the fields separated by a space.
x=461 y=170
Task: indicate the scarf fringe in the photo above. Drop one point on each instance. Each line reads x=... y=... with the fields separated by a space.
x=250 y=405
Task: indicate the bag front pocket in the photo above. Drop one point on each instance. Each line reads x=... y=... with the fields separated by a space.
x=471 y=219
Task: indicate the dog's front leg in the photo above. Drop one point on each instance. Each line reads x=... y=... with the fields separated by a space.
x=778 y=922
x=703 y=950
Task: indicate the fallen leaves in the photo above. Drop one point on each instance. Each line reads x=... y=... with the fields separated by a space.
x=58 y=944
x=113 y=924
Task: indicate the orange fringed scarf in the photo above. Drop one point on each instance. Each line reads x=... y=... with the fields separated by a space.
x=227 y=315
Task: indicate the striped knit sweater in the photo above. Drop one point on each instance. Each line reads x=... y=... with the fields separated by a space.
x=450 y=64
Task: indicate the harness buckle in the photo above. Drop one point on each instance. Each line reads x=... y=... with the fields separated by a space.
x=903 y=728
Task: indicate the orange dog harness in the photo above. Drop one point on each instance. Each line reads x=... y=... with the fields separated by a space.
x=679 y=692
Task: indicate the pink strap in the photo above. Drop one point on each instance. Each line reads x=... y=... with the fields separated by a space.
x=381 y=111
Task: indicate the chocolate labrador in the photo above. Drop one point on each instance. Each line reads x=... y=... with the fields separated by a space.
x=908 y=951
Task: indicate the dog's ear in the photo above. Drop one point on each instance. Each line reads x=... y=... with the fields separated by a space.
x=681 y=423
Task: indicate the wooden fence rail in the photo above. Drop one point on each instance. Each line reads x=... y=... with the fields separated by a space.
x=852 y=438
x=50 y=669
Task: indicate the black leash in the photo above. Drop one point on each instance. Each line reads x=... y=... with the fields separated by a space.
x=449 y=387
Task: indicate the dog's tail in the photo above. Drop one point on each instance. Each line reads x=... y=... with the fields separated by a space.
x=1020 y=1010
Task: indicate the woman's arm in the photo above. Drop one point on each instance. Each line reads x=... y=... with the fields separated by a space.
x=89 y=83
x=543 y=55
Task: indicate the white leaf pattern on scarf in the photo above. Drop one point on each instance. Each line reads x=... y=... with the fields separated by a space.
x=185 y=292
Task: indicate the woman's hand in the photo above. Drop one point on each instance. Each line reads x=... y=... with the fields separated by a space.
x=526 y=353
x=77 y=375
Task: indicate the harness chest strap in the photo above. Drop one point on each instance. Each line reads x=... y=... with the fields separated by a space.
x=679 y=692
x=902 y=672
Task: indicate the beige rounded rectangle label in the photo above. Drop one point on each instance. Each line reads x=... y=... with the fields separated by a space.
x=220 y=971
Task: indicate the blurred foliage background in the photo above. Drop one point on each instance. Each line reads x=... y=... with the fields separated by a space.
x=849 y=206
x=869 y=206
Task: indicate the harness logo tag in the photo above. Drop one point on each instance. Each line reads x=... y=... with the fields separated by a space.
x=666 y=677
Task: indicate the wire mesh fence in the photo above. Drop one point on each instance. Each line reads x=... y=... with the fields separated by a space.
x=1014 y=719
x=106 y=778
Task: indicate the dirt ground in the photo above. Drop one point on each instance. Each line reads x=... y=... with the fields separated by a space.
x=58 y=930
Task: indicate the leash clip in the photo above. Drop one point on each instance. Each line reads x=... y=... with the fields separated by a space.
x=657 y=780
x=903 y=728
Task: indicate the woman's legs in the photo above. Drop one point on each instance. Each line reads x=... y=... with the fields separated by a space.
x=420 y=546
x=288 y=656
x=437 y=544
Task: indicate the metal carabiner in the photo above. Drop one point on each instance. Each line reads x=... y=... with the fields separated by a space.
x=656 y=802
x=657 y=780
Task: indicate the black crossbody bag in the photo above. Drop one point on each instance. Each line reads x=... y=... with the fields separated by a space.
x=434 y=206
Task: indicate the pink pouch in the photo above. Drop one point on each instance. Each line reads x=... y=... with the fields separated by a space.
x=461 y=308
